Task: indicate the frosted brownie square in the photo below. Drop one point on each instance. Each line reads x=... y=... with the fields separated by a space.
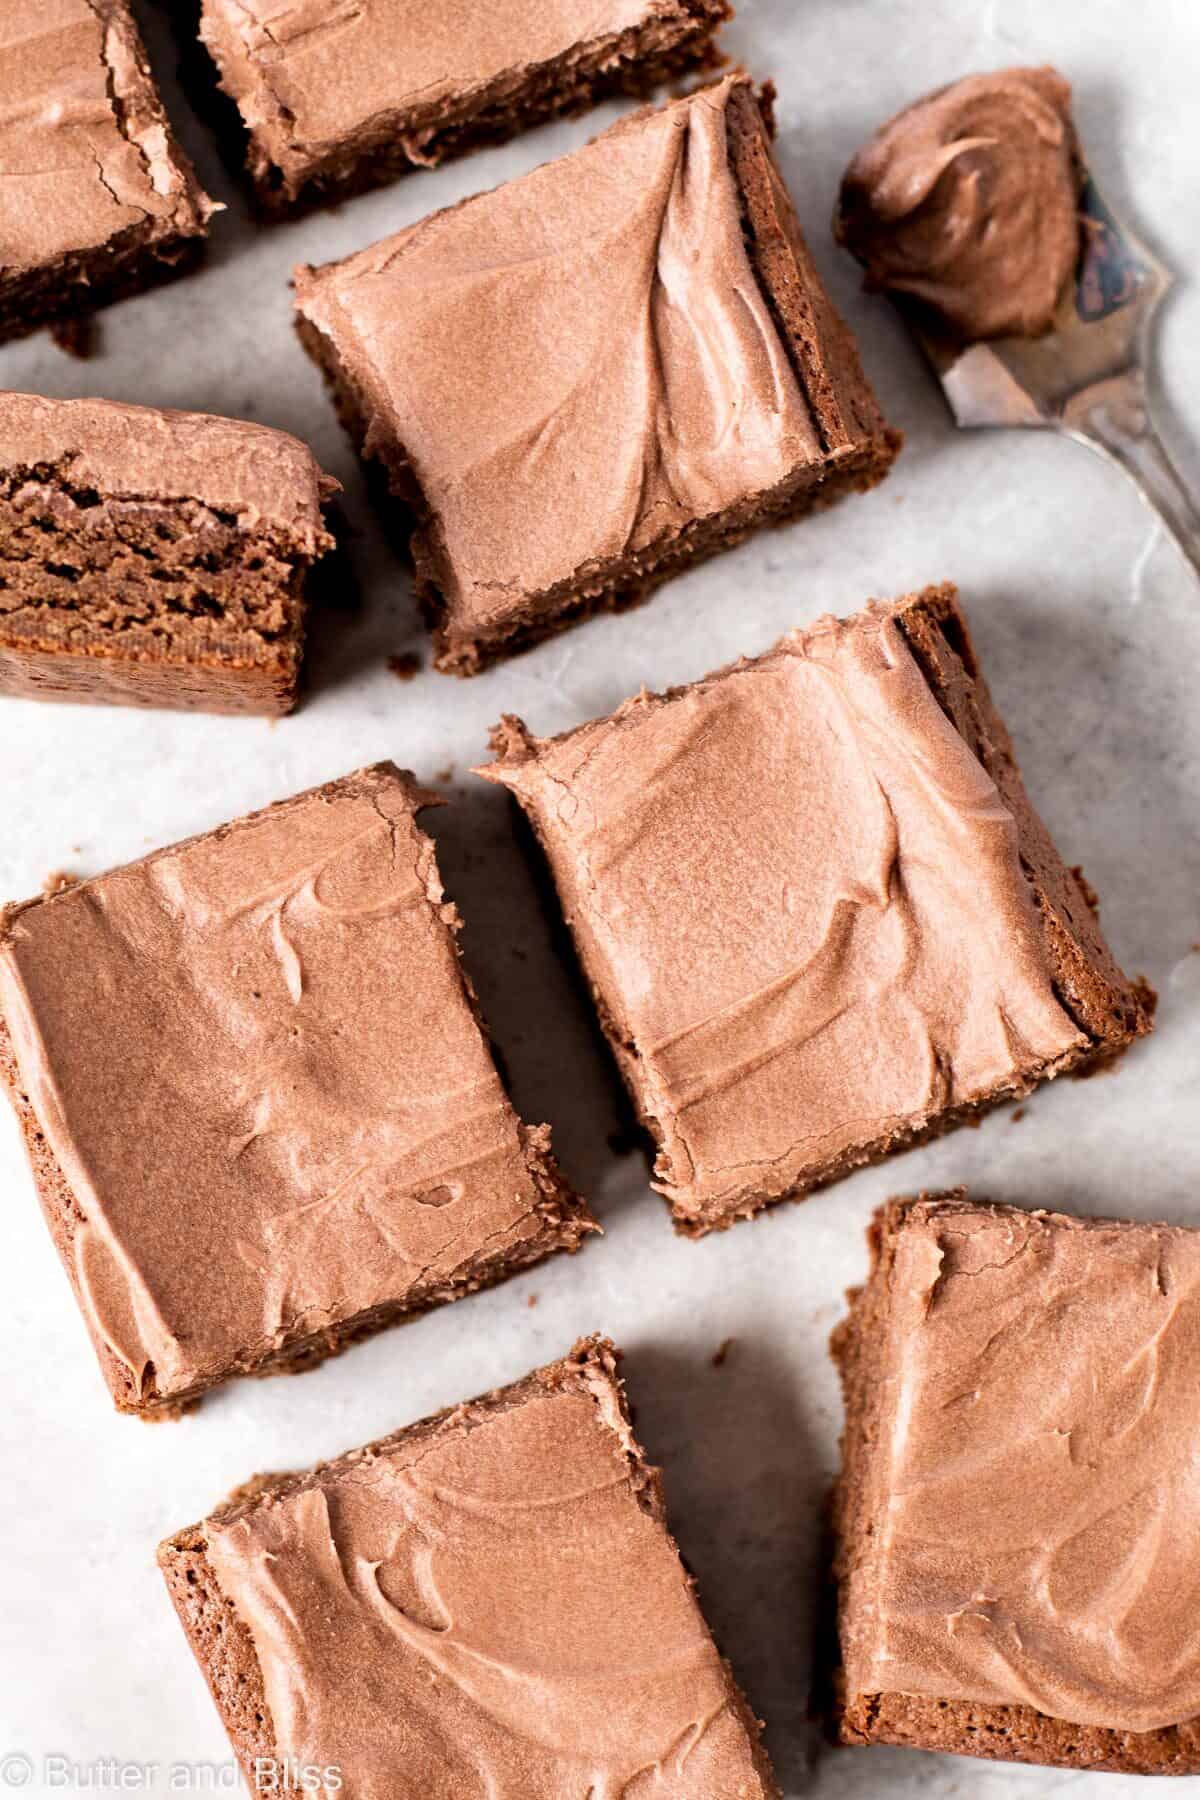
x=97 y=200
x=331 y=101
x=489 y=1601
x=261 y=1109
x=819 y=916
x=1015 y=1557
x=595 y=375
x=154 y=558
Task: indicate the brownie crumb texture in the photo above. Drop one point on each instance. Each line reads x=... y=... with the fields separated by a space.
x=154 y=558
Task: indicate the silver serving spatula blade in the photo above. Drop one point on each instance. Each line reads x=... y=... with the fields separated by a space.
x=1086 y=377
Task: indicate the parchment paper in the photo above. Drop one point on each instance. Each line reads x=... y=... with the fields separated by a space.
x=1089 y=629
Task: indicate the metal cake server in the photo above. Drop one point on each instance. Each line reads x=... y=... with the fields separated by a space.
x=1087 y=376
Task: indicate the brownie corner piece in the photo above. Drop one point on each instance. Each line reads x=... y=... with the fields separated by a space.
x=265 y=1037
x=504 y=1566
x=97 y=199
x=820 y=917
x=1015 y=1408
x=154 y=558
x=596 y=375
x=387 y=88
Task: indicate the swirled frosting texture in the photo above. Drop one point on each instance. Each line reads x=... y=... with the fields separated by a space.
x=85 y=151
x=798 y=896
x=576 y=365
x=255 y=1061
x=1035 y=1499
x=493 y=1609
x=309 y=76
x=969 y=202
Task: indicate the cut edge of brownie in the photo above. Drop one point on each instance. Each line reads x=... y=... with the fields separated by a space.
x=858 y=448
x=565 y=1217
x=148 y=614
x=633 y=62
x=1106 y=1007
x=918 y=1722
x=80 y=282
x=221 y=1642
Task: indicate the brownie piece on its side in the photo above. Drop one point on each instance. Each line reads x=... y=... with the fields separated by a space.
x=594 y=376
x=97 y=200
x=488 y=1599
x=820 y=919
x=154 y=558
x=332 y=104
x=261 y=1109
x=1015 y=1519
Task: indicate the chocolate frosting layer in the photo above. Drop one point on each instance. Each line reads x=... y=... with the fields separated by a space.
x=85 y=150
x=798 y=896
x=969 y=202
x=491 y=1606
x=257 y=1064
x=312 y=77
x=576 y=365
x=141 y=453
x=1035 y=1484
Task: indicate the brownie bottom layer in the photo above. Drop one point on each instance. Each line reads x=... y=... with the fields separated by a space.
x=1016 y=1734
x=145 y=602
x=78 y=285
x=96 y=674
x=564 y=1222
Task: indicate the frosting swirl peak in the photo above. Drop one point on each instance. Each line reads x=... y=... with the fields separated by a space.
x=968 y=201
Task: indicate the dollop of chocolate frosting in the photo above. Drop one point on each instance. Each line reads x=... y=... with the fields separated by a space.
x=489 y=1607
x=800 y=896
x=1035 y=1487
x=968 y=202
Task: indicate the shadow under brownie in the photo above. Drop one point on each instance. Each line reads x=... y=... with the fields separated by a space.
x=327 y=105
x=818 y=915
x=97 y=200
x=490 y=1596
x=596 y=375
x=154 y=558
x=1015 y=1548
x=262 y=1112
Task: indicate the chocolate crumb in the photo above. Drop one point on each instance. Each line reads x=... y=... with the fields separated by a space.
x=57 y=880
x=446 y=774
x=405 y=666
x=721 y=1354
x=532 y=1300
x=1089 y=892
x=79 y=337
x=1017 y=1115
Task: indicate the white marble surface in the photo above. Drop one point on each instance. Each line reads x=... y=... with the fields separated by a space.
x=1089 y=627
